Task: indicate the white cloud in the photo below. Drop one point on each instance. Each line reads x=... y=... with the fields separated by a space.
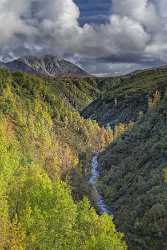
x=136 y=32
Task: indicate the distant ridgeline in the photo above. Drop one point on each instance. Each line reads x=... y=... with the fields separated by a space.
x=45 y=150
x=133 y=168
x=46 y=65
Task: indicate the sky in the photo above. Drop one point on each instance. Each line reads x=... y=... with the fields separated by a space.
x=102 y=36
x=94 y=11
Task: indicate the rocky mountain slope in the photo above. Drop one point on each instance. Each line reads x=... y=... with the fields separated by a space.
x=45 y=65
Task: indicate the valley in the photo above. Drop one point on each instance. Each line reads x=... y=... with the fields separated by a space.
x=83 y=125
x=69 y=144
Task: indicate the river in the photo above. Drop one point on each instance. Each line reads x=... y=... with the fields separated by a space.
x=100 y=202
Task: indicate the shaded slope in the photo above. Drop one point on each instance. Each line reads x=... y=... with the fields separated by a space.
x=132 y=179
x=124 y=98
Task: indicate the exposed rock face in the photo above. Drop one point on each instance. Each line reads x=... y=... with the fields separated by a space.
x=45 y=65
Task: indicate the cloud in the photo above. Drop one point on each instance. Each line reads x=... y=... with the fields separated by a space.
x=46 y=25
x=142 y=11
x=134 y=34
x=10 y=22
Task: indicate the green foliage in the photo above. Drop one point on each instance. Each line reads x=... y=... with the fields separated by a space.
x=50 y=219
x=97 y=232
x=78 y=93
x=45 y=210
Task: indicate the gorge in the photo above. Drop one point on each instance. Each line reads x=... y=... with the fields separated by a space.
x=50 y=129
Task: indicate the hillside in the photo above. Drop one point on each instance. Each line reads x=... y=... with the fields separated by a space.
x=76 y=92
x=45 y=147
x=133 y=167
x=45 y=65
x=26 y=95
x=133 y=180
x=124 y=98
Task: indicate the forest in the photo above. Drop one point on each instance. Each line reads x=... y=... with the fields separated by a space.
x=43 y=190
x=50 y=128
x=133 y=167
x=83 y=125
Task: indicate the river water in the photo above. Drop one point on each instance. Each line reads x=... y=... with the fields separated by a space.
x=100 y=203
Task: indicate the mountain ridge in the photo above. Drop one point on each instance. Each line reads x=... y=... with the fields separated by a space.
x=47 y=65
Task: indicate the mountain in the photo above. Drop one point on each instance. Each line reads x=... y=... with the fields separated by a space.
x=47 y=65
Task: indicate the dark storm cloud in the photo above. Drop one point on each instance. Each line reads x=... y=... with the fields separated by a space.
x=133 y=35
